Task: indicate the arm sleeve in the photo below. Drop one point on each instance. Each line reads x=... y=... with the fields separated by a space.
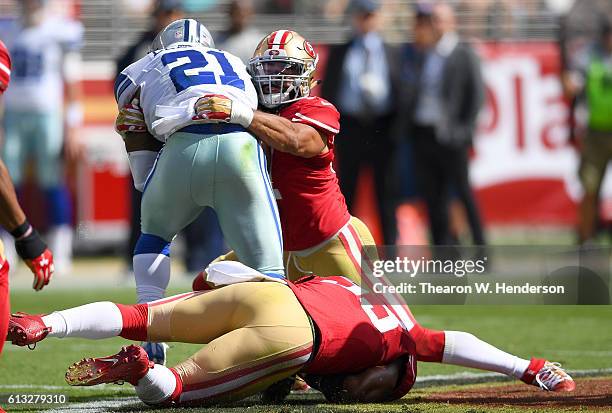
x=141 y=165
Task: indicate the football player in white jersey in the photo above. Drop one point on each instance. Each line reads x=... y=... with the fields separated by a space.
x=45 y=55
x=217 y=165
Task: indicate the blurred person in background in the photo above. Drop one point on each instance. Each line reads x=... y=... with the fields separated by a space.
x=590 y=77
x=361 y=81
x=203 y=237
x=30 y=247
x=41 y=121
x=164 y=13
x=240 y=38
x=441 y=101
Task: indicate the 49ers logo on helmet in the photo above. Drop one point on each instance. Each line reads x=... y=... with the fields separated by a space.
x=309 y=49
x=275 y=52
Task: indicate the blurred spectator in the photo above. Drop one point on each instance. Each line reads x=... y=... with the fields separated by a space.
x=240 y=39
x=164 y=12
x=40 y=119
x=203 y=237
x=199 y=6
x=361 y=81
x=591 y=77
x=443 y=92
x=277 y=6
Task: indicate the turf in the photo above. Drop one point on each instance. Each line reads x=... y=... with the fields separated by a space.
x=577 y=336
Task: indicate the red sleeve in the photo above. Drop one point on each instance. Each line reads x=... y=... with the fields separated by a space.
x=407 y=378
x=318 y=113
x=5 y=67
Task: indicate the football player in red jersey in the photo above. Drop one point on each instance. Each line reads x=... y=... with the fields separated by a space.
x=258 y=330
x=319 y=235
x=28 y=244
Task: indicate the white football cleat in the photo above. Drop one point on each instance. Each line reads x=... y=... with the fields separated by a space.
x=548 y=376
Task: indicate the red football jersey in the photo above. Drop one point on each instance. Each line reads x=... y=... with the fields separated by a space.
x=353 y=335
x=5 y=67
x=312 y=208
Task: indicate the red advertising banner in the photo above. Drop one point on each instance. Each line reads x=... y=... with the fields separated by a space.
x=524 y=167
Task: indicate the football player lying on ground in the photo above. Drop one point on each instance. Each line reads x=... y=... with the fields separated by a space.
x=261 y=332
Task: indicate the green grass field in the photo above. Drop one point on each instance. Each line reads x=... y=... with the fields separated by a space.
x=578 y=337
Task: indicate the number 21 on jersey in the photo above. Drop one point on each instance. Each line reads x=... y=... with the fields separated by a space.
x=187 y=69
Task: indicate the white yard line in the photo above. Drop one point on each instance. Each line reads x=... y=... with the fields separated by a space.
x=101 y=387
x=100 y=406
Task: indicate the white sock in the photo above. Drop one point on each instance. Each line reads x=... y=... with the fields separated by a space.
x=152 y=273
x=157 y=385
x=464 y=349
x=94 y=321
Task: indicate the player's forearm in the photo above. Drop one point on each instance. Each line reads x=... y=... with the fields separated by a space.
x=11 y=214
x=286 y=136
x=278 y=132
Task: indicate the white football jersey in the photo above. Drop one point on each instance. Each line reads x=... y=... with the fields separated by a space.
x=175 y=78
x=37 y=75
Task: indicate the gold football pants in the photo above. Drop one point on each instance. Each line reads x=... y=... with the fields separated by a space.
x=256 y=334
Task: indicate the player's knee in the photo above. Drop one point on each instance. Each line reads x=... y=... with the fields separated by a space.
x=429 y=344
x=152 y=244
